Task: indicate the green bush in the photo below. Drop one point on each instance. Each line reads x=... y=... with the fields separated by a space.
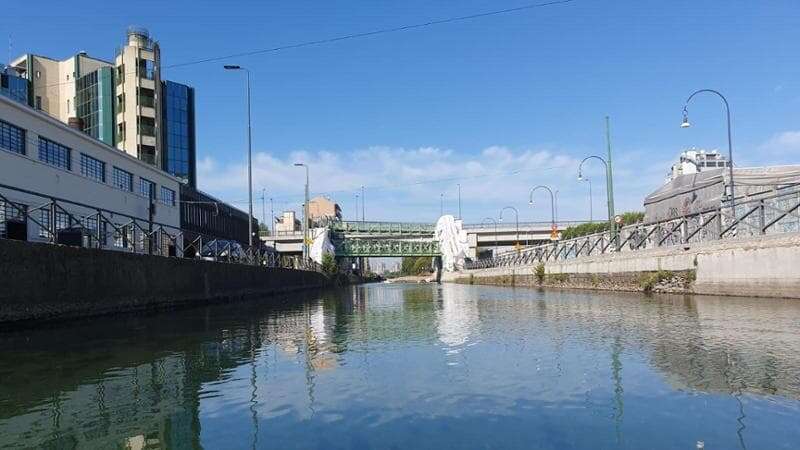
x=329 y=265
x=540 y=273
x=586 y=229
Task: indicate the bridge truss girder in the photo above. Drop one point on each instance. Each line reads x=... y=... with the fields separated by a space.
x=386 y=248
x=383 y=228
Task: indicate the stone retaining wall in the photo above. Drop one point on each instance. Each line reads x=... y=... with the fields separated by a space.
x=43 y=281
x=764 y=266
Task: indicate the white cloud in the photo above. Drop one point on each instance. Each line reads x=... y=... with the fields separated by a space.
x=786 y=143
x=405 y=184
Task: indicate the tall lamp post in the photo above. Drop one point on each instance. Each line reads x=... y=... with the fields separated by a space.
x=249 y=158
x=591 y=206
x=356 y=208
x=494 y=252
x=685 y=124
x=441 y=204
x=554 y=229
x=459 y=201
x=516 y=218
x=609 y=194
x=305 y=215
x=363 y=201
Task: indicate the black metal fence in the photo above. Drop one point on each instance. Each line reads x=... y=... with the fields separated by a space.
x=772 y=212
x=59 y=221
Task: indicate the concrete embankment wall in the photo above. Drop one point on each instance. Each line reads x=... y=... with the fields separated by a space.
x=42 y=281
x=766 y=266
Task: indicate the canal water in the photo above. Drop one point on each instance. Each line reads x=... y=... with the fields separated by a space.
x=414 y=366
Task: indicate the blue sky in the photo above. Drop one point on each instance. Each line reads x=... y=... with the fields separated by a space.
x=507 y=102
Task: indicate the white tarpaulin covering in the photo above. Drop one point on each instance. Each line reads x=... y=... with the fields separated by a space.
x=452 y=242
x=322 y=244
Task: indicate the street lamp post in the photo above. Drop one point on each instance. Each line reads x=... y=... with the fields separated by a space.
x=356 y=208
x=249 y=159
x=271 y=217
x=459 y=201
x=516 y=218
x=554 y=229
x=363 y=201
x=591 y=213
x=685 y=124
x=264 y=206
x=494 y=252
x=609 y=194
x=305 y=215
x=441 y=204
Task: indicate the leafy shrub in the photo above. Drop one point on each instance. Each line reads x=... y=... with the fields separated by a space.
x=539 y=273
x=329 y=265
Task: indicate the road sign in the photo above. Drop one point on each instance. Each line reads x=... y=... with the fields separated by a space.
x=554 y=233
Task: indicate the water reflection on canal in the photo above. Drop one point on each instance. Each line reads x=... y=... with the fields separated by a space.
x=414 y=366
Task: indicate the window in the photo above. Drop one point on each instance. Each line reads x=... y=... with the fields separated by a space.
x=121 y=132
x=38 y=102
x=11 y=212
x=54 y=154
x=62 y=221
x=167 y=196
x=38 y=74
x=68 y=104
x=147 y=188
x=12 y=138
x=93 y=168
x=123 y=179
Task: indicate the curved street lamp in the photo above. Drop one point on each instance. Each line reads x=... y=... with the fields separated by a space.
x=686 y=124
x=609 y=197
x=552 y=205
x=516 y=217
x=591 y=206
x=495 y=233
x=249 y=158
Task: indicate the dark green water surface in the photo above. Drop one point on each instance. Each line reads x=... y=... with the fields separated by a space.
x=413 y=366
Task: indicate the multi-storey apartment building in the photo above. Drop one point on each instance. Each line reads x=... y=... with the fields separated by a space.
x=123 y=103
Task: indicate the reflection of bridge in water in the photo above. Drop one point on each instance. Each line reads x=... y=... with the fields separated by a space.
x=397 y=239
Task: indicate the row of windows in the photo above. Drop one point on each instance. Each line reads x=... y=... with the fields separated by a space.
x=12 y=138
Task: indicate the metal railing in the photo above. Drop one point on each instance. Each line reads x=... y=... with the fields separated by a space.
x=61 y=221
x=523 y=226
x=768 y=213
x=386 y=228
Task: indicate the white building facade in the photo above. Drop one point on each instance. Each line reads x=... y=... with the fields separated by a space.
x=696 y=161
x=64 y=179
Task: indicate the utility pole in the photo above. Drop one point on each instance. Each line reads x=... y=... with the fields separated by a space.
x=363 y=201
x=271 y=217
x=356 y=207
x=610 y=184
x=264 y=206
x=459 y=201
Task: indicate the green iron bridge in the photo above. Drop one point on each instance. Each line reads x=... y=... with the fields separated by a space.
x=396 y=239
x=374 y=239
x=376 y=247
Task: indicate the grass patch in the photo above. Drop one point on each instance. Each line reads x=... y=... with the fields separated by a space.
x=648 y=281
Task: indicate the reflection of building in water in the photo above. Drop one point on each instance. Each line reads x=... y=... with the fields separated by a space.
x=144 y=404
x=458 y=315
x=125 y=394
